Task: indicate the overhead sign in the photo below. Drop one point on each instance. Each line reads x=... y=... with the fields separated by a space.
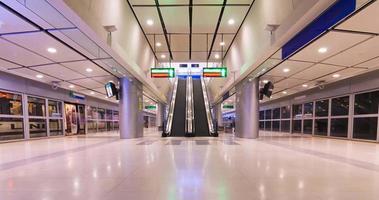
x=151 y=107
x=77 y=96
x=215 y=72
x=228 y=106
x=162 y=72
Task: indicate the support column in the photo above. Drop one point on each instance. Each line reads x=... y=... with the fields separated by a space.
x=219 y=116
x=247 y=110
x=159 y=117
x=130 y=108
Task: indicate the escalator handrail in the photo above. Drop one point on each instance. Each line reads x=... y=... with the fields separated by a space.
x=207 y=108
x=171 y=108
x=190 y=115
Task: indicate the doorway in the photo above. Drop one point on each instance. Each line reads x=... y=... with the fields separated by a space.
x=75 y=119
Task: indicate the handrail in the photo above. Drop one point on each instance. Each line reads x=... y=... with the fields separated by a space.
x=190 y=114
x=171 y=109
x=207 y=108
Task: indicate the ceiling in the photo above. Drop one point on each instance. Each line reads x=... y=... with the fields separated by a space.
x=39 y=43
x=347 y=50
x=167 y=26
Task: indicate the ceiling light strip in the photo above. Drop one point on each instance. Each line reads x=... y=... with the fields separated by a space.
x=164 y=28
x=217 y=27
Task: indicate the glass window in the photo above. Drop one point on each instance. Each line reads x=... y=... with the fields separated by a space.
x=276 y=125
x=322 y=108
x=297 y=111
x=115 y=125
x=308 y=109
x=366 y=103
x=268 y=114
x=36 y=106
x=55 y=108
x=286 y=112
x=307 y=126
x=37 y=128
x=261 y=125
x=276 y=113
x=91 y=112
x=11 y=129
x=321 y=127
x=338 y=127
x=285 y=126
x=109 y=114
x=268 y=125
x=262 y=115
x=115 y=115
x=101 y=113
x=101 y=126
x=365 y=128
x=10 y=104
x=340 y=106
x=296 y=126
x=56 y=127
x=92 y=126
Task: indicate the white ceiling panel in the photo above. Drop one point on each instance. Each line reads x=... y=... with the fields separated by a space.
x=87 y=83
x=100 y=90
x=149 y=13
x=289 y=83
x=67 y=85
x=92 y=93
x=166 y=57
x=180 y=42
x=81 y=67
x=373 y=63
x=142 y=2
x=316 y=71
x=273 y=79
x=158 y=39
x=365 y=20
x=199 y=42
x=181 y=56
x=30 y=74
x=176 y=19
x=205 y=18
x=59 y=71
x=20 y=55
x=7 y=65
x=33 y=42
x=10 y=23
x=357 y=54
x=227 y=38
x=199 y=56
x=334 y=42
x=346 y=73
x=237 y=13
x=173 y=2
x=293 y=66
x=106 y=79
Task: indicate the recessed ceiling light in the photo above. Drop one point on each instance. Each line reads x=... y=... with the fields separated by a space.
x=231 y=21
x=110 y=81
x=285 y=70
x=217 y=56
x=89 y=70
x=106 y=97
x=92 y=92
x=305 y=85
x=39 y=76
x=284 y=92
x=158 y=44
x=322 y=50
x=265 y=81
x=71 y=86
x=336 y=75
x=222 y=43
x=150 y=22
x=52 y=50
x=163 y=56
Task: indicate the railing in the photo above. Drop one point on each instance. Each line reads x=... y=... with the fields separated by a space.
x=190 y=114
x=171 y=109
x=207 y=108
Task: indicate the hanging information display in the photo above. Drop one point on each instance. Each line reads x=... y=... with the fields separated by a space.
x=162 y=72
x=215 y=72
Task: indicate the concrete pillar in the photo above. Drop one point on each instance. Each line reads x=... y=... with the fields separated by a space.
x=131 y=109
x=247 y=109
x=160 y=115
x=219 y=115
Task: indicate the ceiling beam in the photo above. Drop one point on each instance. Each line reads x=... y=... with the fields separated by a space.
x=217 y=27
x=195 y=5
x=190 y=27
x=163 y=28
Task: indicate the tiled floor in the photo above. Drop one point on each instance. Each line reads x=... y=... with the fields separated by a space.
x=104 y=167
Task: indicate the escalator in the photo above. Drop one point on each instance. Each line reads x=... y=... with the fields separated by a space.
x=179 y=114
x=201 y=121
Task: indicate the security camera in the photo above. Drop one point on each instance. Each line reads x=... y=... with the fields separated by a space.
x=321 y=84
x=55 y=85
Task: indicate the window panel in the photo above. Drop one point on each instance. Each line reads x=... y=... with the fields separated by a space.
x=268 y=125
x=338 y=127
x=275 y=125
x=36 y=107
x=91 y=112
x=101 y=113
x=268 y=114
x=285 y=126
x=10 y=104
x=37 y=128
x=56 y=127
x=115 y=115
x=340 y=106
x=322 y=108
x=101 y=126
x=55 y=108
x=366 y=103
x=297 y=111
x=261 y=125
x=321 y=127
x=276 y=113
x=307 y=126
x=296 y=126
x=308 y=109
x=262 y=115
x=286 y=112
x=92 y=126
x=365 y=128
x=109 y=114
x=11 y=129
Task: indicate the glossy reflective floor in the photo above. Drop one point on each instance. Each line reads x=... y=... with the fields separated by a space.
x=272 y=167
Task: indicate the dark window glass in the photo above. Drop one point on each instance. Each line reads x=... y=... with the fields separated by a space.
x=101 y=113
x=115 y=115
x=286 y=112
x=109 y=114
x=36 y=106
x=10 y=104
x=56 y=127
x=92 y=126
x=268 y=125
x=365 y=128
x=307 y=126
x=366 y=103
x=338 y=127
x=321 y=127
x=296 y=126
x=285 y=126
x=322 y=108
x=55 y=108
x=261 y=114
x=262 y=125
x=11 y=129
x=115 y=125
x=37 y=128
x=91 y=112
x=109 y=126
x=101 y=126
x=268 y=114
x=275 y=125
x=297 y=111
x=276 y=113
x=308 y=109
x=340 y=106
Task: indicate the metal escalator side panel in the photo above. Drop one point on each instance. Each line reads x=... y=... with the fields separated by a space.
x=179 y=113
x=201 y=122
